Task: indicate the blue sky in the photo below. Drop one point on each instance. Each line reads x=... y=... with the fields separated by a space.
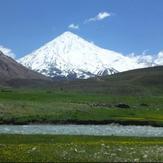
x=130 y=26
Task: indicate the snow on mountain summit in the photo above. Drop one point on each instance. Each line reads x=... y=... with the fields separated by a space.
x=70 y=56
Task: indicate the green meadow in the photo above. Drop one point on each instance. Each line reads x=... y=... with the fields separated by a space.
x=49 y=148
x=22 y=106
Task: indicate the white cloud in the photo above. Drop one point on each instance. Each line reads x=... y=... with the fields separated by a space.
x=100 y=16
x=159 y=58
x=147 y=59
x=144 y=59
x=73 y=26
x=7 y=51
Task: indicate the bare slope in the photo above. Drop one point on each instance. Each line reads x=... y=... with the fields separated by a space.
x=10 y=69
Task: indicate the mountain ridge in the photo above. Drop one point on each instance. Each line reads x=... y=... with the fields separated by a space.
x=141 y=82
x=10 y=69
x=70 y=56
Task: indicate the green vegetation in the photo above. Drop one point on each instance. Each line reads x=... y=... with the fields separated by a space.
x=49 y=148
x=19 y=106
x=92 y=101
x=86 y=101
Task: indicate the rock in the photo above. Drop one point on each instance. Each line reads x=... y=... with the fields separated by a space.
x=122 y=105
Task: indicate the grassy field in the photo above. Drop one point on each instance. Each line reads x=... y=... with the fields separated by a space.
x=18 y=106
x=92 y=101
x=49 y=148
x=86 y=101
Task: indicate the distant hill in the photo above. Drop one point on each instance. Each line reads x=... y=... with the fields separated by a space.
x=146 y=81
x=10 y=70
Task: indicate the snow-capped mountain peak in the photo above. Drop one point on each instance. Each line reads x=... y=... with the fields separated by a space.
x=71 y=56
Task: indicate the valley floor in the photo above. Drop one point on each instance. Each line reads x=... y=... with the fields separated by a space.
x=22 y=106
x=64 y=107
x=49 y=148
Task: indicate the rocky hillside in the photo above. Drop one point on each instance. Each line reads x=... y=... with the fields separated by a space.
x=10 y=69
